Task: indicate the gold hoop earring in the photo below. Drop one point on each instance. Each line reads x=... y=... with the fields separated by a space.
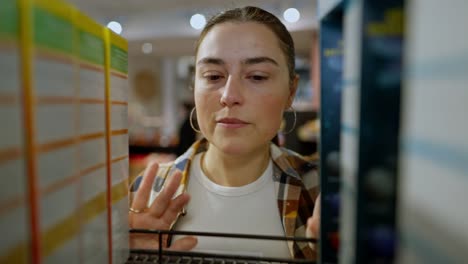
x=294 y=123
x=191 y=122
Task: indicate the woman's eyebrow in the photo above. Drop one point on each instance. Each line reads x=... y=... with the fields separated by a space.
x=256 y=60
x=248 y=61
x=210 y=60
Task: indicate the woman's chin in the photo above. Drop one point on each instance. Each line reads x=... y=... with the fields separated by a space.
x=237 y=146
x=233 y=149
x=232 y=146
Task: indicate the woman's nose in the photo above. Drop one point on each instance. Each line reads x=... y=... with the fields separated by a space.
x=232 y=93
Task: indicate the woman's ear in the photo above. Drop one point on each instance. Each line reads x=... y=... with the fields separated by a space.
x=292 y=90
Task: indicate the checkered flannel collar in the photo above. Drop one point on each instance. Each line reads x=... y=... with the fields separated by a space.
x=286 y=161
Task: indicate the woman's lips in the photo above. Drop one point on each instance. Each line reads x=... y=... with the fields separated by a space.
x=231 y=123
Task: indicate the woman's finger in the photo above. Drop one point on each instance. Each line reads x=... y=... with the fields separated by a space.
x=184 y=244
x=142 y=195
x=160 y=204
x=174 y=208
x=313 y=223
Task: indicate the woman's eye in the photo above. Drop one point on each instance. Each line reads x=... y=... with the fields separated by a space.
x=258 y=77
x=213 y=77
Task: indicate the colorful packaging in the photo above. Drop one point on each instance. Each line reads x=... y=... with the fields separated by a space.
x=433 y=183
x=117 y=89
x=90 y=46
x=55 y=125
x=14 y=203
x=350 y=130
x=62 y=83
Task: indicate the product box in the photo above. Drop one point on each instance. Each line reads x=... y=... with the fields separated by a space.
x=117 y=89
x=350 y=130
x=63 y=102
x=94 y=218
x=54 y=117
x=432 y=191
x=370 y=130
x=331 y=71
x=14 y=200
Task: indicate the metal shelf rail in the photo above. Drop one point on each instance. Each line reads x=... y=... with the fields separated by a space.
x=144 y=256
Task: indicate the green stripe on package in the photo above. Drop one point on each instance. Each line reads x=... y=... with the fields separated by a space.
x=91 y=48
x=119 y=59
x=53 y=32
x=8 y=18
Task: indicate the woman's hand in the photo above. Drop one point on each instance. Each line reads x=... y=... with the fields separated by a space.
x=160 y=215
x=313 y=223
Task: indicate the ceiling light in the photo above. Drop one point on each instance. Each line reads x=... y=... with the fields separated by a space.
x=147 y=48
x=115 y=26
x=291 y=15
x=197 y=21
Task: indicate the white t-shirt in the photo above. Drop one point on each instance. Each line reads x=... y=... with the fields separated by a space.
x=249 y=209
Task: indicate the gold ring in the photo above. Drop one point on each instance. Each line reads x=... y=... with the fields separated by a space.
x=137 y=211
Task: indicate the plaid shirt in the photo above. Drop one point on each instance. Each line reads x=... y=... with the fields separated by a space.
x=296 y=186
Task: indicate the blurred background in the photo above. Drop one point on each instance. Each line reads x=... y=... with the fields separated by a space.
x=161 y=37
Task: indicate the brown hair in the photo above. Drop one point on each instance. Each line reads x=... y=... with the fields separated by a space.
x=258 y=15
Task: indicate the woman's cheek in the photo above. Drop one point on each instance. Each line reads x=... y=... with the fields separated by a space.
x=205 y=111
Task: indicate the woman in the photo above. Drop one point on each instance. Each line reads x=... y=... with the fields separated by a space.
x=237 y=180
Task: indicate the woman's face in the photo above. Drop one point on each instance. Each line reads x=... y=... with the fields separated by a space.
x=241 y=86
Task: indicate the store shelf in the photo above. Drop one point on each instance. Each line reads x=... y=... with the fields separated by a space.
x=144 y=256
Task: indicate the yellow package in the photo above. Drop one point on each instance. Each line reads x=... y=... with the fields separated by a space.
x=93 y=210
x=54 y=121
x=117 y=73
x=14 y=203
